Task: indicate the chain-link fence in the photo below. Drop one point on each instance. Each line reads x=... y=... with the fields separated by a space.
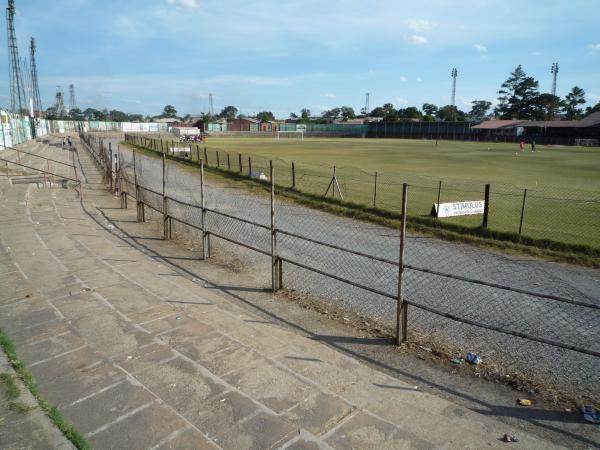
x=515 y=213
x=527 y=319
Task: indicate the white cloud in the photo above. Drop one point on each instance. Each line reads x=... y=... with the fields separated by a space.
x=329 y=95
x=480 y=48
x=403 y=79
x=419 y=79
x=594 y=46
x=419 y=25
x=191 y=4
x=401 y=101
x=417 y=39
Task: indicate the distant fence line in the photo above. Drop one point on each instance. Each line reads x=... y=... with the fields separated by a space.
x=542 y=213
x=435 y=287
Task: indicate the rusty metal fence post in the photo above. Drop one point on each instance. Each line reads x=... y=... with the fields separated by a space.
x=165 y=215
x=486 y=206
x=375 y=192
x=437 y=205
x=522 y=212
x=274 y=259
x=402 y=307
x=205 y=243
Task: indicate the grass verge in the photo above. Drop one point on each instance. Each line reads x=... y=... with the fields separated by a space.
x=55 y=416
x=496 y=240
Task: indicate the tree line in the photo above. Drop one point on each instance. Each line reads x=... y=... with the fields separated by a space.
x=518 y=98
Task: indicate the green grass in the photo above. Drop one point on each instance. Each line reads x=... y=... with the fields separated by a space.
x=563 y=201
x=10 y=385
x=505 y=242
x=55 y=416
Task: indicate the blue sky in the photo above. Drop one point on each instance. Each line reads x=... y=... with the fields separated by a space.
x=138 y=55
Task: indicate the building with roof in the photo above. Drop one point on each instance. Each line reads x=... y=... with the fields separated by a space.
x=243 y=124
x=564 y=132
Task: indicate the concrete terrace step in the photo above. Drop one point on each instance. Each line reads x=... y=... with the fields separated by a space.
x=139 y=356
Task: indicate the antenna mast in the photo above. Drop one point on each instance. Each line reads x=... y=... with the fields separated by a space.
x=454 y=76
x=18 y=101
x=554 y=72
x=35 y=89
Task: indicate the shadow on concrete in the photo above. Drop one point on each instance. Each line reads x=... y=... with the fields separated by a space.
x=339 y=343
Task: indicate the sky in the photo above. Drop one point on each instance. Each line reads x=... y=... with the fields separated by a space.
x=284 y=55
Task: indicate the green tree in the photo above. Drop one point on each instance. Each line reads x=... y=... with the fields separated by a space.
x=331 y=115
x=265 y=116
x=169 y=111
x=229 y=112
x=412 y=112
x=518 y=96
x=429 y=118
x=451 y=113
x=136 y=118
x=592 y=109
x=305 y=115
x=479 y=110
x=387 y=112
x=118 y=116
x=546 y=106
x=429 y=109
x=573 y=101
x=293 y=116
x=347 y=113
x=76 y=114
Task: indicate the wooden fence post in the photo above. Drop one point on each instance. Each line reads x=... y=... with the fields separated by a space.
x=522 y=212
x=437 y=207
x=293 y=175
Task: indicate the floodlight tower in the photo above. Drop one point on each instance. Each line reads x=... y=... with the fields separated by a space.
x=35 y=89
x=211 y=109
x=454 y=74
x=554 y=72
x=59 y=105
x=72 y=102
x=367 y=109
x=18 y=101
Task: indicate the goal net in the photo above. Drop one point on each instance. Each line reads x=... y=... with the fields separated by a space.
x=299 y=135
x=587 y=142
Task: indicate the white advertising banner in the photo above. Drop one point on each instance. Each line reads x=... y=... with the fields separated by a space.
x=459 y=208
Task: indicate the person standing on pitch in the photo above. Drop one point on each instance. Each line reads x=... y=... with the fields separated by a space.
x=533 y=145
x=64 y=142
x=522 y=145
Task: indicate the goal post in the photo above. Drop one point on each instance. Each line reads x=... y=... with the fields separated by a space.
x=299 y=135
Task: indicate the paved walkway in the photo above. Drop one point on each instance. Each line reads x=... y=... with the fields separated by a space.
x=138 y=356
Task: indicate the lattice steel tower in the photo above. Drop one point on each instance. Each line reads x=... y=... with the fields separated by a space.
x=35 y=89
x=454 y=74
x=554 y=72
x=59 y=105
x=18 y=101
x=72 y=102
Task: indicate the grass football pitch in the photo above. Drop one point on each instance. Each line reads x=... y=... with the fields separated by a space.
x=563 y=198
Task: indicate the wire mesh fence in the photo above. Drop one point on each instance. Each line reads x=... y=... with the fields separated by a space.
x=536 y=212
x=534 y=319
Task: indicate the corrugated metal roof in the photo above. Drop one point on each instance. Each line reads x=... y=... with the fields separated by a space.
x=498 y=124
